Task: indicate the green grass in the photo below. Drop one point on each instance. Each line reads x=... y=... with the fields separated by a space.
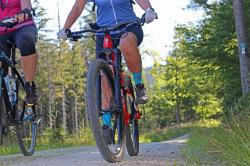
x=165 y=134
x=54 y=138
x=226 y=143
x=197 y=151
x=10 y=149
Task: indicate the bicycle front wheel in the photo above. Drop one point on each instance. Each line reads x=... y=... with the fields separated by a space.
x=100 y=102
x=26 y=125
x=2 y=121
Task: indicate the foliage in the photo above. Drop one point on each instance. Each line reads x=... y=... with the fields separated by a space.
x=55 y=138
x=200 y=78
x=228 y=143
x=54 y=135
x=165 y=134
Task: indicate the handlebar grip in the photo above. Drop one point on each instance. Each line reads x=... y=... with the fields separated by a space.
x=68 y=32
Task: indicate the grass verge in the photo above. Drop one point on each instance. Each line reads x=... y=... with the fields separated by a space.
x=54 y=138
x=225 y=144
x=165 y=134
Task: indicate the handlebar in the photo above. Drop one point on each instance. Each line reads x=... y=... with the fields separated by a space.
x=74 y=36
x=9 y=22
x=12 y=21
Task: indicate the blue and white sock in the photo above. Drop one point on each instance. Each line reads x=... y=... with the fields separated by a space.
x=106 y=119
x=137 y=78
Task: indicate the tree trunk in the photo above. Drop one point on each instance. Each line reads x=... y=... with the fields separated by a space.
x=242 y=44
x=177 y=112
x=76 y=116
x=64 y=123
x=41 y=111
x=50 y=95
x=51 y=99
x=72 y=114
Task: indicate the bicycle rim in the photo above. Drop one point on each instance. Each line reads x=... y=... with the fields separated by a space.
x=132 y=129
x=7 y=133
x=100 y=95
x=2 y=121
x=26 y=126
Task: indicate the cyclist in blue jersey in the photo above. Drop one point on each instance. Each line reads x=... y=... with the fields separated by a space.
x=111 y=13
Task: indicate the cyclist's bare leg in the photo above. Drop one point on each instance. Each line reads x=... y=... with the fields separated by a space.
x=128 y=46
x=106 y=92
x=106 y=96
x=29 y=66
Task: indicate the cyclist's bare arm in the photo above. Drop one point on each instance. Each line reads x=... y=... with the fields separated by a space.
x=26 y=4
x=144 y=4
x=74 y=13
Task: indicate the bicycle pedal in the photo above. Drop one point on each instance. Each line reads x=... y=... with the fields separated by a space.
x=29 y=105
x=38 y=121
x=136 y=106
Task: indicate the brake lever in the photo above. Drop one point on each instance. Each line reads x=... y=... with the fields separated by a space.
x=9 y=22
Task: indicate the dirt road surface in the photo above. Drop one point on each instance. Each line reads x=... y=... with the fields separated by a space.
x=166 y=153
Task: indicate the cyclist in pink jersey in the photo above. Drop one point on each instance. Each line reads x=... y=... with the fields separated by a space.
x=24 y=35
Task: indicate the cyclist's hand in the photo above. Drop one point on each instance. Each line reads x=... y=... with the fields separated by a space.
x=23 y=15
x=150 y=15
x=62 y=34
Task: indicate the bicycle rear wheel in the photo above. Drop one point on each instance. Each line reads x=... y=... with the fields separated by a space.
x=7 y=133
x=132 y=129
x=26 y=125
x=100 y=91
x=2 y=121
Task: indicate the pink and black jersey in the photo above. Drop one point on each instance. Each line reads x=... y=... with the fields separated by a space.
x=8 y=8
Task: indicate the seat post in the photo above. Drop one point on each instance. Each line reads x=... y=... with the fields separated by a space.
x=12 y=55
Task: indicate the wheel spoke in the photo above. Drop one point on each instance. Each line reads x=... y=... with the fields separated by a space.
x=26 y=127
x=103 y=112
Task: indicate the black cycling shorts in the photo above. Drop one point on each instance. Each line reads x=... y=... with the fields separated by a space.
x=137 y=30
x=25 y=39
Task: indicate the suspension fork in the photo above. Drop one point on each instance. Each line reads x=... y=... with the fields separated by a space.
x=117 y=67
x=1 y=79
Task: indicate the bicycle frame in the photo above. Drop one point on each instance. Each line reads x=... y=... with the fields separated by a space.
x=114 y=58
x=10 y=109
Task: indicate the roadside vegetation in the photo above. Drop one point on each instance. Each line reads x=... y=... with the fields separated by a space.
x=55 y=138
x=227 y=143
x=166 y=133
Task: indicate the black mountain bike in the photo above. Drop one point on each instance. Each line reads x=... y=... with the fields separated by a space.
x=107 y=82
x=16 y=117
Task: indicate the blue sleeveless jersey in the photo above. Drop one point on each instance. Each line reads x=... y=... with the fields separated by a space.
x=113 y=12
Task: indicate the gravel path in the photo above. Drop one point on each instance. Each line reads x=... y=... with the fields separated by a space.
x=151 y=154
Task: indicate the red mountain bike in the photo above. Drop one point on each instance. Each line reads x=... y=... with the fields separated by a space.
x=108 y=83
